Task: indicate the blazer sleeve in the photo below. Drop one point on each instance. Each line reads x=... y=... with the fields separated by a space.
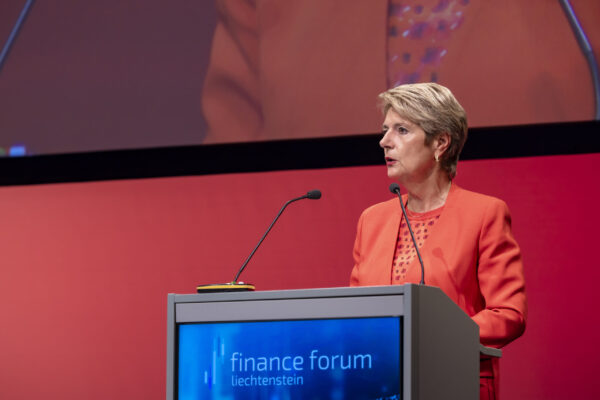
x=501 y=279
x=356 y=253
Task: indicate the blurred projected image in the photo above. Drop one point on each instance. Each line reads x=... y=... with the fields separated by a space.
x=123 y=74
x=314 y=67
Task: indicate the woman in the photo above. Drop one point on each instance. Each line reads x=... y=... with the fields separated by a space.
x=464 y=238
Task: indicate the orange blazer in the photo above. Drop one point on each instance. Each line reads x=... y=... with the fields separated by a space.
x=470 y=254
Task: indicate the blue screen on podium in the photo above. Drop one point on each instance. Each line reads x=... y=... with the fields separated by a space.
x=355 y=358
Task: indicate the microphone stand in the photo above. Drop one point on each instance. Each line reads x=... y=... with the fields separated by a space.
x=395 y=188
x=237 y=286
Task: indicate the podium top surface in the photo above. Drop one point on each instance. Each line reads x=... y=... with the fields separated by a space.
x=301 y=293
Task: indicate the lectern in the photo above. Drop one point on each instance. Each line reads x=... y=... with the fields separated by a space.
x=390 y=342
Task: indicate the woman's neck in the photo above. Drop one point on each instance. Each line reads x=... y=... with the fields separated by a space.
x=428 y=195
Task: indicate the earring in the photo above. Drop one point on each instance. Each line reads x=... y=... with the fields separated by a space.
x=437 y=159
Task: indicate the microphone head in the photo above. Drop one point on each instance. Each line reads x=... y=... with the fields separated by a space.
x=314 y=194
x=395 y=188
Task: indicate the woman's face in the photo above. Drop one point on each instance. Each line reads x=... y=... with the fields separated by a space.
x=407 y=157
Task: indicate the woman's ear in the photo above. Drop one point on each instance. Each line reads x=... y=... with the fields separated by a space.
x=441 y=144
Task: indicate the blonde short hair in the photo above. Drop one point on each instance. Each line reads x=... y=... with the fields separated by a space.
x=434 y=109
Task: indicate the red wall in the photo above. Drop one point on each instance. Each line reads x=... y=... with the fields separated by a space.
x=86 y=267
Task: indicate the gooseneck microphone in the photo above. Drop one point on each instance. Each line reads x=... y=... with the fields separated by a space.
x=395 y=188
x=15 y=31
x=587 y=50
x=313 y=195
x=235 y=285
